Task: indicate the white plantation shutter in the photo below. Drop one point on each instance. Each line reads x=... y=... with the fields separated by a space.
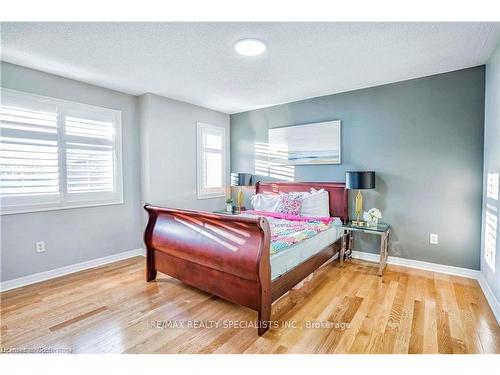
x=211 y=152
x=89 y=168
x=28 y=166
x=57 y=154
x=89 y=153
x=29 y=152
x=212 y=169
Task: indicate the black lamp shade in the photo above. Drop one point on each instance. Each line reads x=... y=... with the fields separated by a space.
x=360 y=180
x=244 y=179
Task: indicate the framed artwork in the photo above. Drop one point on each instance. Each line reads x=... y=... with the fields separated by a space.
x=309 y=144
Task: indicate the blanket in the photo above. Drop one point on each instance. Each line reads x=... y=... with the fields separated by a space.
x=288 y=230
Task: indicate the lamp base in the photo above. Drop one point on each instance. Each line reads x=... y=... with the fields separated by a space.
x=358 y=223
x=358 y=210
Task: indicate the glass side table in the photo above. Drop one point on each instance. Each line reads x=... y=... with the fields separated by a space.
x=382 y=230
x=224 y=212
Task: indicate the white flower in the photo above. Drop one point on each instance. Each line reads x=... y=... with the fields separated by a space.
x=375 y=213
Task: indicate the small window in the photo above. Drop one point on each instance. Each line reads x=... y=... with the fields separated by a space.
x=211 y=155
x=56 y=154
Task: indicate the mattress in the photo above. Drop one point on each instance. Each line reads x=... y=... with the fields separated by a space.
x=291 y=257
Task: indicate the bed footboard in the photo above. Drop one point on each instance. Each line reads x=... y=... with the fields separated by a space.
x=227 y=256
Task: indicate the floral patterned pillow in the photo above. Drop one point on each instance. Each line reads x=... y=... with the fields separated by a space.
x=290 y=203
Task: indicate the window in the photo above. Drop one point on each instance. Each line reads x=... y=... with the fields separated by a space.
x=211 y=155
x=56 y=154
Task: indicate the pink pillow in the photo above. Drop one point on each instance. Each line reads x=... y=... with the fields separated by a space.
x=290 y=203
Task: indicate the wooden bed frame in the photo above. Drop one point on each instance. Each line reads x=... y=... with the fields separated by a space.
x=228 y=256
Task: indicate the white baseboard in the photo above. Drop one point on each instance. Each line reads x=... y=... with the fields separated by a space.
x=427 y=266
x=441 y=268
x=490 y=297
x=47 y=275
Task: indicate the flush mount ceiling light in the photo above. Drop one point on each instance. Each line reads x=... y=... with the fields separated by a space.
x=250 y=47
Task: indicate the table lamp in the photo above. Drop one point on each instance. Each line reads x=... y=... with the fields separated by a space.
x=359 y=180
x=244 y=179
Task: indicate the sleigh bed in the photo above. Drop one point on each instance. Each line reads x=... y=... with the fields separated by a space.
x=229 y=256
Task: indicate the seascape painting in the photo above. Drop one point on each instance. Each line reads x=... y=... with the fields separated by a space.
x=309 y=144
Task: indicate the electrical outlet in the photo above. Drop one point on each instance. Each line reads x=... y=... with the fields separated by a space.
x=434 y=239
x=40 y=246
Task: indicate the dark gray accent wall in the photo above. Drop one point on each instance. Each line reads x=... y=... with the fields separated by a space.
x=424 y=139
x=79 y=234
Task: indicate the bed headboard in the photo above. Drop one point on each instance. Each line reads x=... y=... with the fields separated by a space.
x=336 y=191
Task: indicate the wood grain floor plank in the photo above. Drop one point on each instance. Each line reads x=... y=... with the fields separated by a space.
x=417 y=328
x=430 y=339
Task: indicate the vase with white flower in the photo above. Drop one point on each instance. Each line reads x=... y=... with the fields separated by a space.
x=229 y=205
x=372 y=217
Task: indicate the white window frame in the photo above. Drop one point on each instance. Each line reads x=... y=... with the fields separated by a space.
x=66 y=200
x=201 y=191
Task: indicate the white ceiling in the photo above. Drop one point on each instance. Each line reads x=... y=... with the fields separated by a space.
x=196 y=62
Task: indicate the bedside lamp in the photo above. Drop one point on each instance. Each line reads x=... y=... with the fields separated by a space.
x=359 y=180
x=244 y=179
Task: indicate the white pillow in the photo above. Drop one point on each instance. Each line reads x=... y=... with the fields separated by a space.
x=316 y=204
x=265 y=202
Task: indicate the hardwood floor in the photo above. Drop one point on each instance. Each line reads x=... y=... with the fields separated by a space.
x=113 y=309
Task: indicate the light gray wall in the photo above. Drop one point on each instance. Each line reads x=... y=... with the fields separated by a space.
x=492 y=164
x=81 y=234
x=168 y=152
x=424 y=139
